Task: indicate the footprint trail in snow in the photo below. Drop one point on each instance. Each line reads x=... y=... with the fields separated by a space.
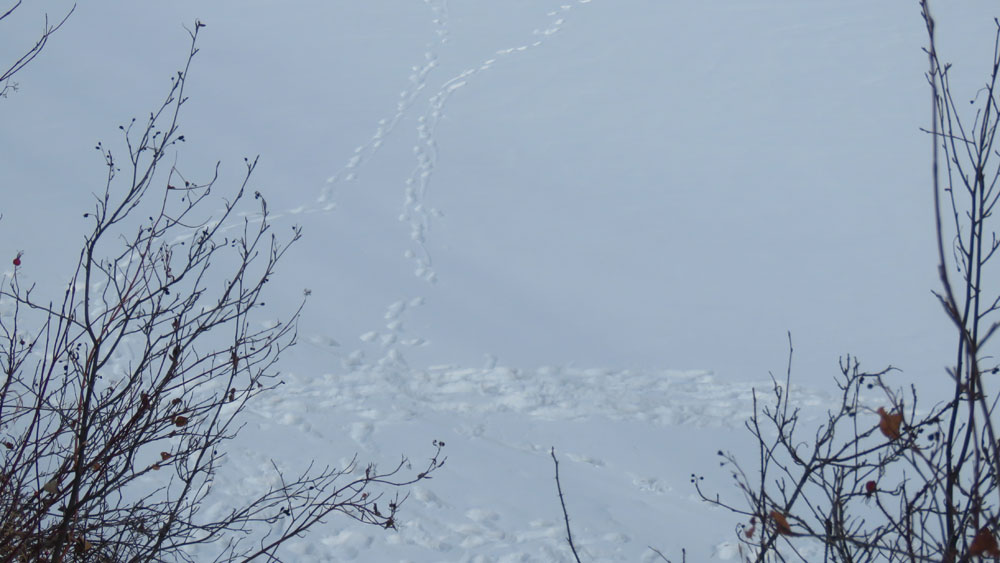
x=415 y=208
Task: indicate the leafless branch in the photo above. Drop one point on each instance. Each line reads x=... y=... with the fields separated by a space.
x=118 y=398
x=15 y=67
x=562 y=502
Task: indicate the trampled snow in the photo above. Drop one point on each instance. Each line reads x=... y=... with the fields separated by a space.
x=528 y=224
x=628 y=442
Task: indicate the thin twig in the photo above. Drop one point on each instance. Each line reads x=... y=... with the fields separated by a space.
x=664 y=557
x=562 y=501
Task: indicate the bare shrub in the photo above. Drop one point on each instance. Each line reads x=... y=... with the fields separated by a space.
x=118 y=397
x=884 y=478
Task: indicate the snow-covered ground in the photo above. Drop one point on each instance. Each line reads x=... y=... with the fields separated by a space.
x=628 y=442
x=580 y=224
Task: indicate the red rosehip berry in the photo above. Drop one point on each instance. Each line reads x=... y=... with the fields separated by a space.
x=17 y=259
x=870 y=488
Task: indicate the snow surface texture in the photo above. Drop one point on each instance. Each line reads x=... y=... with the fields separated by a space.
x=628 y=442
x=628 y=183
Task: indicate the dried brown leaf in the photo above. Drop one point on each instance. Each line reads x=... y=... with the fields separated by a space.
x=985 y=543
x=781 y=522
x=889 y=423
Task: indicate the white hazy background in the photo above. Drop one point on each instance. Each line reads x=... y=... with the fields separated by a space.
x=626 y=184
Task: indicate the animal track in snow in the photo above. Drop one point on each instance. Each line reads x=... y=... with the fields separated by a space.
x=416 y=210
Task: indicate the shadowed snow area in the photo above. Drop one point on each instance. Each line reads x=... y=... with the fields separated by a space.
x=643 y=195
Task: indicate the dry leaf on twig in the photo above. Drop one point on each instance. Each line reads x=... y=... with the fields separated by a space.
x=889 y=423
x=781 y=523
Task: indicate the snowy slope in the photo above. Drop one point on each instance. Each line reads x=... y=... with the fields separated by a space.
x=614 y=188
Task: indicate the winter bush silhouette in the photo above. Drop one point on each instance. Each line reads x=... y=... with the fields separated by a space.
x=117 y=399
x=885 y=478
